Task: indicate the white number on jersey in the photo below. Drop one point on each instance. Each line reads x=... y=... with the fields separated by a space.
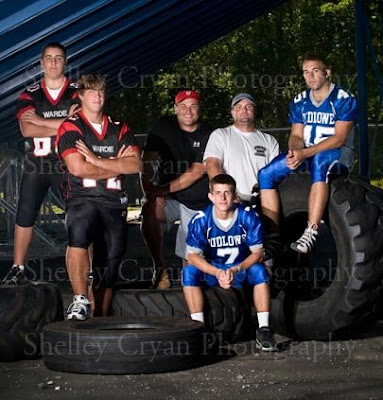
x=89 y=183
x=42 y=146
x=342 y=94
x=321 y=133
x=299 y=97
x=111 y=183
x=232 y=252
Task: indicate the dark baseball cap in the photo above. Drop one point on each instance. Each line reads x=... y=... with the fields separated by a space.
x=241 y=96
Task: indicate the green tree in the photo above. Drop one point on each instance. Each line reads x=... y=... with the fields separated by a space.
x=263 y=58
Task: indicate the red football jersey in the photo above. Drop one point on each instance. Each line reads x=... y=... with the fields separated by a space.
x=114 y=134
x=37 y=98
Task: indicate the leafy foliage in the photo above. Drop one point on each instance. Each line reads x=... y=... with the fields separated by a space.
x=264 y=59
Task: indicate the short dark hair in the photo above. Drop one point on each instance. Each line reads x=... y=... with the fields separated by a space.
x=316 y=57
x=91 y=81
x=223 y=179
x=55 y=45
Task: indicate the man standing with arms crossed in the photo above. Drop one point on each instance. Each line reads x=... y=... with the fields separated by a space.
x=97 y=151
x=41 y=109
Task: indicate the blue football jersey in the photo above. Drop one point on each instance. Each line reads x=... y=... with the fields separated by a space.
x=225 y=246
x=319 y=118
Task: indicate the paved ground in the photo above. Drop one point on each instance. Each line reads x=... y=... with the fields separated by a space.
x=307 y=370
x=351 y=369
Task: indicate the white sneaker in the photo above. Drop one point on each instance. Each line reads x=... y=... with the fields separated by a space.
x=306 y=242
x=14 y=277
x=80 y=308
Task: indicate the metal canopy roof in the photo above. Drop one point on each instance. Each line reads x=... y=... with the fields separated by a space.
x=122 y=39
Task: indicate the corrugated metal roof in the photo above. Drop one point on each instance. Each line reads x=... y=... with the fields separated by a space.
x=123 y=39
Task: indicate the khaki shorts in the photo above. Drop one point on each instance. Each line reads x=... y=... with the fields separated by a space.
x=176 y=211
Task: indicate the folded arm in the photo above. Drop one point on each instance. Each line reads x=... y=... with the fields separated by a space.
x=77 y=166
x=33 y=125
x=127 y=161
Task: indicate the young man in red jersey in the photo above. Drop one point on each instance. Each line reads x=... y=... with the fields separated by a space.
x=41 y=109
x=97 y=152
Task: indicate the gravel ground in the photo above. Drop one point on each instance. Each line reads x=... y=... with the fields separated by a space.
x=308 y=370
x=351 y=369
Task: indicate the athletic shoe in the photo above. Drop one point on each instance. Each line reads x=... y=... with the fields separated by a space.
x=161 y=279
x=306 y=242
x=264 y=339
x=79 y=308
x=272 y=248
x=268 y=260
x=14 y=277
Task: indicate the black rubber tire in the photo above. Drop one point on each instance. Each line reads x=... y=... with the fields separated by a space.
x=354 y=220
x=24 y=310
x=127 y=345
x=225 y=311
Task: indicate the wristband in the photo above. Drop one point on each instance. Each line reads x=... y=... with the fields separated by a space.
x=239 y=269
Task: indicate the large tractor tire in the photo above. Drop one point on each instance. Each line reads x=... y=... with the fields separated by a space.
x=24 y=310
x=334 y=288
x=123 y=345
x=225 y=311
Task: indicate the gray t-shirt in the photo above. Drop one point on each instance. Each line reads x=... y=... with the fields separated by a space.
x=243 y=154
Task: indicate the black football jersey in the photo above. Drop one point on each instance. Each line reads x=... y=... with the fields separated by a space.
x=109 y=192
x=37 y=98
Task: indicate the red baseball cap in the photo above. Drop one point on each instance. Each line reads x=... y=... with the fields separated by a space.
x=187 y=94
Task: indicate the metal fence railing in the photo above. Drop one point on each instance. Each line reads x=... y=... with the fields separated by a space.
x=50 y=229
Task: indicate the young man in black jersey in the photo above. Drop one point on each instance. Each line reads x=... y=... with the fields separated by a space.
x=41 y=109
x=97 y=152
x=180 y=188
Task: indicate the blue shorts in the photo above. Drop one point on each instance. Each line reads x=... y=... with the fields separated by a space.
x=255 y=275
x=319 y=166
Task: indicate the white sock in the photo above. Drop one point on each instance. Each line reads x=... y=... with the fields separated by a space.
x=263 y=319
x=19 y=266
x=197 y=316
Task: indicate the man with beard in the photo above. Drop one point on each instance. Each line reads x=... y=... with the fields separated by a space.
x=240 y=150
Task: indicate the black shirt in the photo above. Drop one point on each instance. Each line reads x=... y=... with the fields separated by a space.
x=178 y=150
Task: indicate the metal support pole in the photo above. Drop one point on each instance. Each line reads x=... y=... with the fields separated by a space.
x=364 y=165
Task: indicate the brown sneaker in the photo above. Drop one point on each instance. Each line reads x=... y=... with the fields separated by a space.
x=161 y=279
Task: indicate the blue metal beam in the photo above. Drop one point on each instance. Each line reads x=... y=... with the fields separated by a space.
x=31 y=11
x=364 y=164
x=105 y=35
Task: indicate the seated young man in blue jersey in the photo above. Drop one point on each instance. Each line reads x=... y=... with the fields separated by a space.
x=321 y=141
x=225 y=249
